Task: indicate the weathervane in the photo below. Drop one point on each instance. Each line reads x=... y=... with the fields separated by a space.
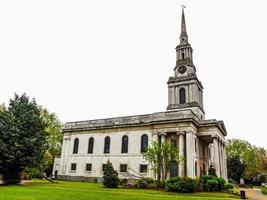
x=183 y=6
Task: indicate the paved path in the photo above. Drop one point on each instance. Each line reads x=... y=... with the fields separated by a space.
x=254 y=194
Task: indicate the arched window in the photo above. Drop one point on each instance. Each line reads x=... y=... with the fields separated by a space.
x=195 y=168
x=107 y=145
x=182 y=96
x=91 y=145
x=124 y=144
x=76 y=146
x=144 y=143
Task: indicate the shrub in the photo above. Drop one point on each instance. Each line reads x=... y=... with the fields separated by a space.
x=178 y=184
x=144 y=182
x=233 y=191
x=110 y=178
x=228 y=186
x=123 y=181
x=246 y=185
x=264 y=191
x=213 y=183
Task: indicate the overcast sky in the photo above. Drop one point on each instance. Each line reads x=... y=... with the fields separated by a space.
x=91 y=59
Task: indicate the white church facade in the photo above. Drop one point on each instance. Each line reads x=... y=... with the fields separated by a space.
x=88 y=145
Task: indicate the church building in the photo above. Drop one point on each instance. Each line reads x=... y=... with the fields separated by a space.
x=88 y=145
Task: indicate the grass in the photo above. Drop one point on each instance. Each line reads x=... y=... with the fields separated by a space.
x=42 y=190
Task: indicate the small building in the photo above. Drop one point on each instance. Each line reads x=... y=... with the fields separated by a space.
x=88 y=145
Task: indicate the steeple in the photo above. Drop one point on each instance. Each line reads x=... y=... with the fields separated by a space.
x=183 y=35
x=185 y=90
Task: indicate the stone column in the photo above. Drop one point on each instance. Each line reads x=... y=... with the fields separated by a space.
x=189 y=155
x=216 y=155
x=182 y=153
x=225 y=163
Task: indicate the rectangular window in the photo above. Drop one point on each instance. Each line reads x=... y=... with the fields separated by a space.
x=73 y=166
x=196 y=145
x=88 y=167
x=123 y=168
x=103 y=166
x=143 y=168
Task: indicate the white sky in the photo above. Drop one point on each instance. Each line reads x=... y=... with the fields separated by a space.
x=90 y=59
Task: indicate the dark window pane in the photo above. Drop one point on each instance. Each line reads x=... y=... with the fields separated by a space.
x=144 y=143
x=91 y=145
x=73 y=166
x=124 y=144
x=107 y=145
x=88 y=167
x=123 y=168
x=76 y=146
x=182 y=96
x=174 y=143
x=143 y=168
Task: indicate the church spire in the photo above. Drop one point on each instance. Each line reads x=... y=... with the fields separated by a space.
x=183 y=35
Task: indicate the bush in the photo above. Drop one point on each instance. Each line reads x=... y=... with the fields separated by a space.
x=228 y=186
x=246 y=185
x=233 y=191
x=231 y=181
x=264 y=191
x=144 y=182
x=213 y=183
x=178 y=184
x=110 y=178
x=123 y=181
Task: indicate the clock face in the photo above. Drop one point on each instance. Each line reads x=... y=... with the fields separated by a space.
x=182 y=69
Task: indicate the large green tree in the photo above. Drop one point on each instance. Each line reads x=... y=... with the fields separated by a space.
x=235 y=168
x=53 y=139
x=252 y=157
x=161 y=157
x=22 y=137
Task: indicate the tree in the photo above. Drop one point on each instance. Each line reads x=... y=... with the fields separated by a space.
x=53 y=139
x=110 y=178
x=22 y=138
x=253 y=158
x=160 y=157
x=236 y=168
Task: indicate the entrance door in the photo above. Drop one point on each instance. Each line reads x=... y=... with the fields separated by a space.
x=174 y=169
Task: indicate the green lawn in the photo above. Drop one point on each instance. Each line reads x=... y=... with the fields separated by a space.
x=65 y=190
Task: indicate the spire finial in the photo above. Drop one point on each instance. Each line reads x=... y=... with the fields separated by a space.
x=183 y=35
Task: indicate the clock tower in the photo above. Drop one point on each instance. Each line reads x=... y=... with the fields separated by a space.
x=184 y=88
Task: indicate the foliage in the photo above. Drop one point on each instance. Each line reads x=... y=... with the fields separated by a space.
x=253 y=158
x=21 y=138
x=144 y=182
x=228 y=186
x=236 y=168
x=213 y=183
x=110 y=178
x=234 y=191
x=263 y=178
x=53 y=140
x=212 y=170
x=34 y=172
x=264 y=191
x=180 y=184
x=160 y=157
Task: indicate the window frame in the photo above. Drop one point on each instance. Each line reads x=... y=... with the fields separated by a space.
x=144 y=143
x=88 y=164
x=72 y=166
x=107 y=145
x=140 y=167
x=182 y=95
x=75 y=146
x=91 y=142
x=123 y=165
x=124 y=144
